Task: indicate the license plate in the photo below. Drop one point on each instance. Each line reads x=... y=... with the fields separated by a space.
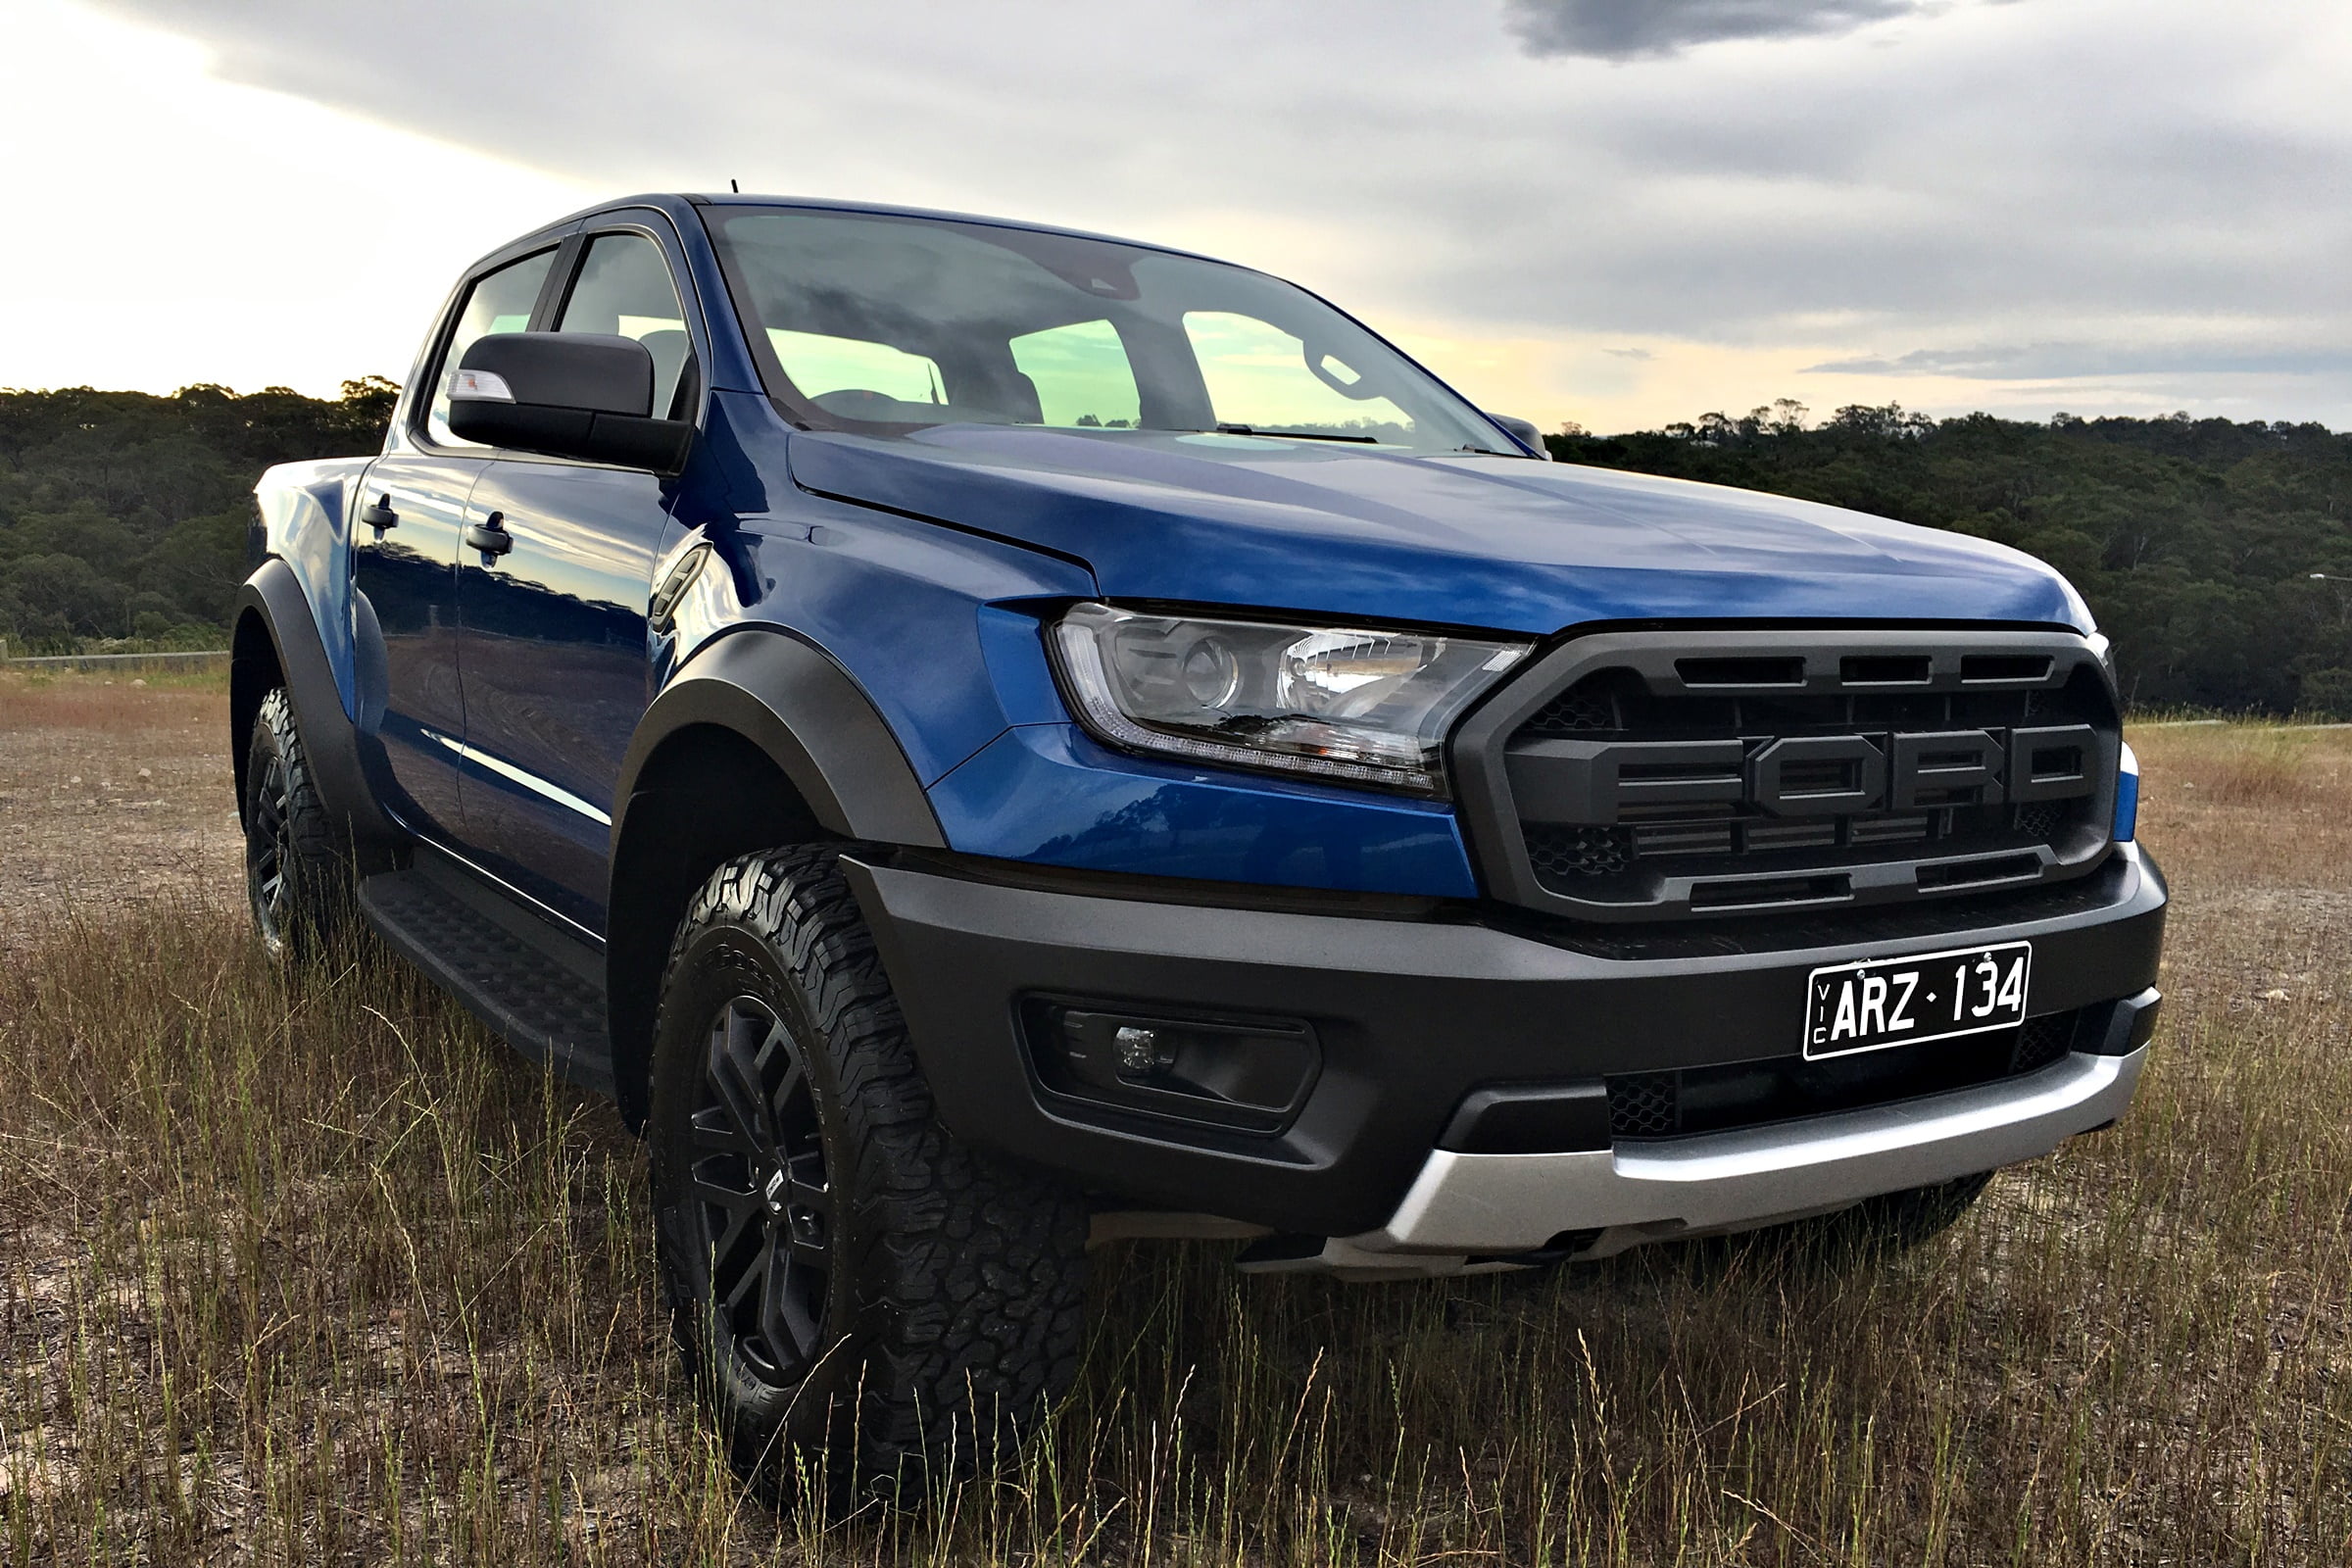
x=1911 y=1000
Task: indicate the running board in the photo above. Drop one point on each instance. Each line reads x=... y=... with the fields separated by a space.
x=537 y=986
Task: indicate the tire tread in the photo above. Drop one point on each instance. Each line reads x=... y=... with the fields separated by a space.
x=976 y=1264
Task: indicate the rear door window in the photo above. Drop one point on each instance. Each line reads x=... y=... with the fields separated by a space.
x=498 y=302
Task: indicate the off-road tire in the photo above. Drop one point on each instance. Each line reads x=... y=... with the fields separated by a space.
x=931 y=1294
x=297 y=873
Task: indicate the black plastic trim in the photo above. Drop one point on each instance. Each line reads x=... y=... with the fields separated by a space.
x=813 y=721
x=273 y=597
x=1531 y=1119
x=2131 y=1026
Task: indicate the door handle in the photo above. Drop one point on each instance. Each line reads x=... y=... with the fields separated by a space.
x=489 y=536
x=379 y=516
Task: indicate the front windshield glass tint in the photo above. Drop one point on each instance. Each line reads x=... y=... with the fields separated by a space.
x=874 y=322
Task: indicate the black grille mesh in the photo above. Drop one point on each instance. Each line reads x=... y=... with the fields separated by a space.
x=1572 y=852
x=1646 y=1104
x=2040 y=821
x=1582 y=709
x=2042 y=1041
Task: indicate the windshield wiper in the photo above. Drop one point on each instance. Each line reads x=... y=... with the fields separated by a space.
x=1296 y=435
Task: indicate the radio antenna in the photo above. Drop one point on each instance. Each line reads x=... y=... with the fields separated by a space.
x=736 y=188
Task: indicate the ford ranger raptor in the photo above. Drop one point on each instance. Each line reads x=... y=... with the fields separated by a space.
x=980 y=737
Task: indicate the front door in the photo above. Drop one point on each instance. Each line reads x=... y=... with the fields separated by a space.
x=408 y=523
x=556 y=673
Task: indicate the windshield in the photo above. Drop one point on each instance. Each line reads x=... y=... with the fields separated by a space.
x=882 y=323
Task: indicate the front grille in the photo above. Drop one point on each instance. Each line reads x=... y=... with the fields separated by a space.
x=1754 y=1093
x=1635 y=775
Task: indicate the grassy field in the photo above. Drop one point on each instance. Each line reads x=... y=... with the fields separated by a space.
x=310 y=1270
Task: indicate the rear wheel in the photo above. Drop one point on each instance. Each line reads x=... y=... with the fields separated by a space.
x=868 y=1303
x=298 y=880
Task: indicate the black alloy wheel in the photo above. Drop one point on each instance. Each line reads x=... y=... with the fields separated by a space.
x=759 y=1186
x=870 y=1306
x=270 y=851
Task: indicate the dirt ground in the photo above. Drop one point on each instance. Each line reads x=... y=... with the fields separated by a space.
x=114 y=791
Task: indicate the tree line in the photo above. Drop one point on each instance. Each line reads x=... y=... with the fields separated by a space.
x=123 y=514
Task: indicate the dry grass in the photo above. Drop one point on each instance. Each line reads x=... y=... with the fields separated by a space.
x=2261 y=765
x=294 y=1272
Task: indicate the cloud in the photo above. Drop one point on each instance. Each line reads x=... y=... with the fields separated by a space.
x=2106 y=176
x=1630 y=29
x=1628 y=354
x=2062 y=362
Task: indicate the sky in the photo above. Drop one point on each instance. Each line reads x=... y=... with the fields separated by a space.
x=1619 y=213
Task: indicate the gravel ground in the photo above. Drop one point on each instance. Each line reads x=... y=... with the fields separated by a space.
x=112 y=792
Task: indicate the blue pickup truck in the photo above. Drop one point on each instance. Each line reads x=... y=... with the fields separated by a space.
x=984 y=739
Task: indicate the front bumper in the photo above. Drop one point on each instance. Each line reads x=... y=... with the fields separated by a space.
x=1412 y=1015
x=1469 y=1204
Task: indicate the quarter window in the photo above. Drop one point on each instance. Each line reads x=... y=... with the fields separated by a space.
x=624 y=290
x=498 y=302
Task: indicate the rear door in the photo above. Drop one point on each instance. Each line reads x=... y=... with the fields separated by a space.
x=557 y=667
x=411 y=519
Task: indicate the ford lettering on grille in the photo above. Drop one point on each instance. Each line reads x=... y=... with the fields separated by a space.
x=1582 y=781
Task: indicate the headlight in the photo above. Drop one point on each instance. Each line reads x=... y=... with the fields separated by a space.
x=1342 y=703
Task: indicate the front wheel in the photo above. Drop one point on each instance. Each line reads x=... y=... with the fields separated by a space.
x=298 y=879
x=868 y=1303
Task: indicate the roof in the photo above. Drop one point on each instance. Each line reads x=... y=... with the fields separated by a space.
x=873 y=208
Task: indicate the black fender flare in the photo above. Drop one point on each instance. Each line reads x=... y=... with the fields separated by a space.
x=810 y=717
x=273 y=595
x=768 y=692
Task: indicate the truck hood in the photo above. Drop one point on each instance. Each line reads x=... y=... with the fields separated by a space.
x=1352 y=532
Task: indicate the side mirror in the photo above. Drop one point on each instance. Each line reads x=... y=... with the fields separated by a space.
x=1524 y=430
x=568 y=395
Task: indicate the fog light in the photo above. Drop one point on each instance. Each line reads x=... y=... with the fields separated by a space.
x=1139 y=1051
x=1248 y=1075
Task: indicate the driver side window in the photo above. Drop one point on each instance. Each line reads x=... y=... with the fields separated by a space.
x=499 y=302
x=624 y=290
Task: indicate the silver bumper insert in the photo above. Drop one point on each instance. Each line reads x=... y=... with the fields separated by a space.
x=1466 y=1204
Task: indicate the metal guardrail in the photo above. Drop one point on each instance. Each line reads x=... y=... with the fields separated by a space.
x=112 y=660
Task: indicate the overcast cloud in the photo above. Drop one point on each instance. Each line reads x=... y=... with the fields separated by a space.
x=1619 y=30
x=1636 y=208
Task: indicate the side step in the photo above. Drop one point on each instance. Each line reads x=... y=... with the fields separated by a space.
x=536 y=985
